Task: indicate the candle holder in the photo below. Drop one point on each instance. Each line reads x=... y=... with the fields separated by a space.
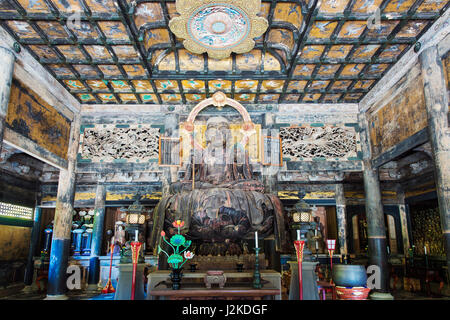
x=256 y=274
x=135 y=248
x=109 y=287
x=299 y=246
x=331 y=246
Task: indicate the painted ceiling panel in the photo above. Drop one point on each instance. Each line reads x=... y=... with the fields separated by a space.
x=246 y=85
x=333 y=7
x=193 y=85
x=68 y=6
x=366 y=6
x=296 y=85
x=224 y=65
x=220 y=85
x=107 y=51
x=84 y=31
x=86 y=71
x=338 y=52
x=195 y=97
x=142 y=85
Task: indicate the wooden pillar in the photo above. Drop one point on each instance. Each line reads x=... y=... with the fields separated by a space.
x=59 y=254
x=436 y=101
x=341 y=218
x=376 y=229
x=403 y=218
x=270 y=173
x=35 y=233
x=6 y=71
x=170 y=174
x=97 y=236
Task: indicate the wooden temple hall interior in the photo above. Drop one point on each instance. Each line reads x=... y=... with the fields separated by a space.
x=232 y=149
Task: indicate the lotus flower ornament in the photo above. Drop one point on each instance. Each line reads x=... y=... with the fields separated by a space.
x=175 y=259
x=218 y=28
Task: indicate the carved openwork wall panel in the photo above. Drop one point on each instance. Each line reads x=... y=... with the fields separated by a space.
x=324 y=142
x=115 y=143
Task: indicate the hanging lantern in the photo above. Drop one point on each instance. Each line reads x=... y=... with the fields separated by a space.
x=302 y=210
x=331 y=244
x=133 y=218
x=302 y=217
x=134 y=214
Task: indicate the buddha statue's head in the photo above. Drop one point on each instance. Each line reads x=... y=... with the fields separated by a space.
x=217 y=132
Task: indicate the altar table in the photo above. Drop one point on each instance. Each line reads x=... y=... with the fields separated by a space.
x=213 y=293
x=272 y=277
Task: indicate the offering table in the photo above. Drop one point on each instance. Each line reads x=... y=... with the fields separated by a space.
x=232 y=293
x=159 y=280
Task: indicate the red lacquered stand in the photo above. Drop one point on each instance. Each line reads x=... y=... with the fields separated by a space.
x=135 y=248
x=109 y=287
x=299 y=245
x=331 y=245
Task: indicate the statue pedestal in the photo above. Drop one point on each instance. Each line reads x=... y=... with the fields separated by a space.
x=123 y=290
x=310 y=290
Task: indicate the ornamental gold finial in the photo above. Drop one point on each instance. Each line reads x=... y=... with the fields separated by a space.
x=219 y=99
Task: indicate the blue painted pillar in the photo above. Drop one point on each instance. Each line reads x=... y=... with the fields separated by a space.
x=376 y=229
x=97 y=236
x=436 y=103
x=59 y=254
x=35 y=232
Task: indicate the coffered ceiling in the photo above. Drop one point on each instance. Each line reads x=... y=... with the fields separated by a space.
x=106 y=51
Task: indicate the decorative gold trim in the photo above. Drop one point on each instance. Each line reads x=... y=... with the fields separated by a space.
x=258 y=25
x=219 y=99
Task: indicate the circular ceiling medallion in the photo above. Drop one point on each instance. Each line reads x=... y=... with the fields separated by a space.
x=218 y=27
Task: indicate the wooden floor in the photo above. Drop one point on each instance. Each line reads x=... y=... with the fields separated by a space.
x=227 y=293
x=14 y=293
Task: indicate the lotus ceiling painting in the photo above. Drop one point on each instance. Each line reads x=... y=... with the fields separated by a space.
x=218 y=28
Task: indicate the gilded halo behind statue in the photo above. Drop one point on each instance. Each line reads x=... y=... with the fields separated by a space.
x=218 y=28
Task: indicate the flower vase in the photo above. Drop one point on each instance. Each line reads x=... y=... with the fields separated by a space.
x=175 y=276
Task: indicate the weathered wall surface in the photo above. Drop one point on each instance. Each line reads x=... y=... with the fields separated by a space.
x=15 y=242
x=395 y=120
x=446 y=64
x=426 y=229
x=17 y=191
x=32 y=117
